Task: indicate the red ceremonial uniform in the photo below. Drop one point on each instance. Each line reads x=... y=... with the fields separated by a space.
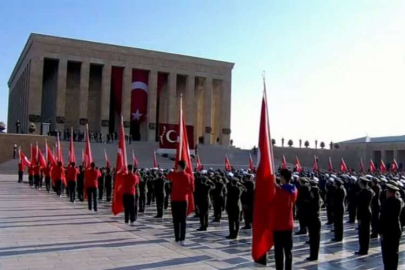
x=91 y=176
x=72 y=173
x=285 y=198
x=181 y=186
x=20 y=167
x=130 y=181
x=58 y=173
x=47 y=171
x=31 y=171
x=37 y=170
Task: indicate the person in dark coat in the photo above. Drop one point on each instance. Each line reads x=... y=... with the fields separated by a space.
x=149 y=184
x=108 y=183
x=204 y=189
x=168 y=189
x=234 y=206
x=101 y=184
x=247 y=201
x=339 y=207
x=160 y=192
x=364 y=198
x=390 y=228
x=314 y=221
x=330 y=190
x=143 y=190
x=304 y=193
x=196 y=195
x=375 y=207
x=353 y=189
x=219 y=194
x=80 y=184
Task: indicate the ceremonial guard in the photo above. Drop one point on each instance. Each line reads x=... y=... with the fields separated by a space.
x=339 y=207
x=204 y=189
x=364 y=198
x=160 y=192
x=352 y=190
x=143 y=190
x=247 y=201
x=108 y=184
x=80 y=184
x=375 y=206
x=303 y=204
x=219 y=194
x=234 y=206
x=314 y=222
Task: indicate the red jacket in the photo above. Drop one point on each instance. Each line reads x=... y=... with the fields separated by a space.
x=91 y=178
x=37 y=170
x=58 y=173
x=72 y=173
x=47 y=171
x=181 y=186
x=20 y=167
x=129 y=183
x=284 y=201
x=31 y=171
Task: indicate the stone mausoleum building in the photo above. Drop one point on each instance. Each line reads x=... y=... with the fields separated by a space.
x=69 y=83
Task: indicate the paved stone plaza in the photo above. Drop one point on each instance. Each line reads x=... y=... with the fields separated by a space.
x=40 y=231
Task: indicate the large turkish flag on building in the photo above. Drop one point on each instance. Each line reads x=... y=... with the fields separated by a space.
x=168 y=136
x=139 y=95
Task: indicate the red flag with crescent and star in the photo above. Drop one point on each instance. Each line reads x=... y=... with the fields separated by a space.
x=139 y=95
x=72 y=156
x=330 y=166
x=88 y=157
x=198 y=165
x=227 y=164
x=315 y=167
x=361 y=165
x=394 y=166
x=283 y=163
x=23 y=159
x=372 y=166
x=343 y=167
x=251 y=166
x=134 y=159
x=107 y=161
x=263 y=219
x=382 y=166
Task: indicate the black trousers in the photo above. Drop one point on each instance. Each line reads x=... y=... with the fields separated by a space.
x=142 y=202
x=48 y=184
x=72 y=190
x=167 y=201
x=364 y=234
x=36 y=180
x=92 y=198
x=179 y=212
x=129 y=207
x=248 y=214
x=283 y=243
x=58 y=187
x=329 y=213
x=234 y=221
x=20 y=176
x=203 y=215
x=375 y=216
x=314 y=230
x=100 y=190
x=150 y=197
x=80 y=190
x=338 y=223
x=31 y=180
x=302 y=220
x=218 y=207
x=160 y=200
x=108 y=190
x=352 y=212
x=390 y=250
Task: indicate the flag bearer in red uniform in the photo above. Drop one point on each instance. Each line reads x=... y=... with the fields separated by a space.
x=286 y=196
x=91 y=184
x=31 y=175
x=128 y=195
x=181 y=188
x=47 y=173
x=37 y=175
x=58 y=174
x=20 y=172
x=71 y=178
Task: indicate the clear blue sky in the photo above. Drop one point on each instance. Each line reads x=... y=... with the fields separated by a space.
x=335 y=69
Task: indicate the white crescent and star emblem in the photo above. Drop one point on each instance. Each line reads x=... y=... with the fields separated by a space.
x=137 y=115
x=168 y=136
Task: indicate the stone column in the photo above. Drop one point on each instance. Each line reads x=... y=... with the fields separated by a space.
x=61 y=95
x=225 y=112
x=190 y=102
x=35 y=94
x=84 y=94
x=171 y=108
x=126 y=98
x=152 y=104
x=207 y=94
x=105 y=99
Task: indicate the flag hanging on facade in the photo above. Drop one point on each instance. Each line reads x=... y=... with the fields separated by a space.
x=227 y=164
x=298 y=167
x=263 y=222
x=72 y=155
x=382 y=166
x=343 y=167
x=330 y=167
x=183 y=153
x=122 y=170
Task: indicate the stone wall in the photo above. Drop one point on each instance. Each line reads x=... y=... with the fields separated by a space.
x=8 y=140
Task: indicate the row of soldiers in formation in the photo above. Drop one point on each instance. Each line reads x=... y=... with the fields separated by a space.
x=375 y=200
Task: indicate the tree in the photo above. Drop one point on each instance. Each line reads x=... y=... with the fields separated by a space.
x=300 y=141
x=316 y=144
x=290 y=143
x=306 y=144
x=2 y=127
x=282 y=142
x=322 y=145
x=337 y=146
x=273 y=141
